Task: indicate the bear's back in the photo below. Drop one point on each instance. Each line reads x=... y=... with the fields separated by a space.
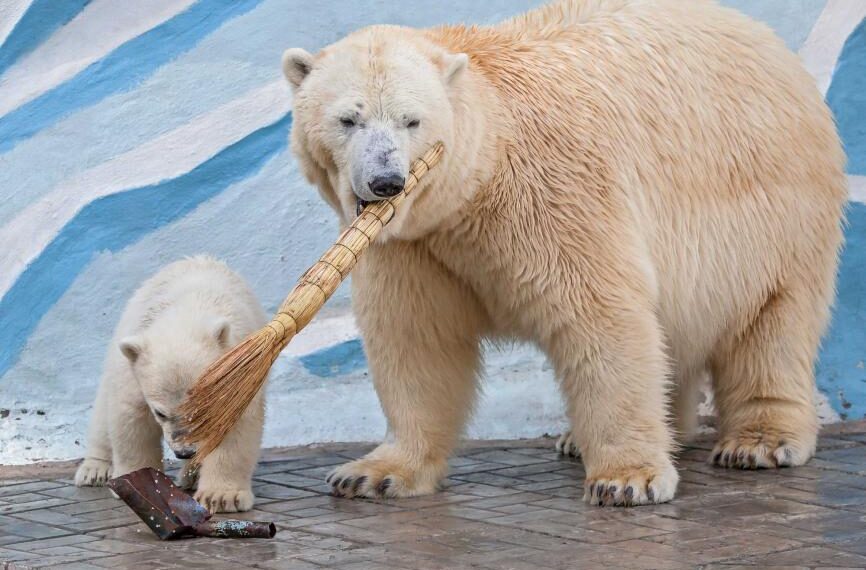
x=688 y=89
x=198 y=284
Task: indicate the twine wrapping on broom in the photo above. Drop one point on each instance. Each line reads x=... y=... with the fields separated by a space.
x=221 y=395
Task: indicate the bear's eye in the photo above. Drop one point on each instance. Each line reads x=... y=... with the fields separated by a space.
x=160 y=416
x=347 y=122
x=413 y=124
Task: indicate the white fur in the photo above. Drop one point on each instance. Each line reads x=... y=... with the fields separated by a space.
x=648 y=190
x=176 y=324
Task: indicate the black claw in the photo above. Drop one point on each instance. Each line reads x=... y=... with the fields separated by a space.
x=612 y=489
x=336 y=482
x=726 y=458
x=592 y=490
x=344 y=484
x=383 y=486
x=716 y=457
x=650 y=494
x=358 y=482
x=328 y=478
x=629 y=492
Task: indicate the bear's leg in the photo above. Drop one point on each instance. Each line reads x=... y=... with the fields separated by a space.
x=686 y=399
x=566 y=444
x=95 y=470
x=614 y=376
x=136 y=438
x=225 y=476
x=764 y=384
x=421 y=330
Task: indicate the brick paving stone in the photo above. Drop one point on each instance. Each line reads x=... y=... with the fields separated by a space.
x=506 y=506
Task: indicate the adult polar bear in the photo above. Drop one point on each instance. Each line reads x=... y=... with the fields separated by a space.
x=647 y=189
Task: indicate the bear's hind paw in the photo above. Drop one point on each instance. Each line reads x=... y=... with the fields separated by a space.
x=566 y=445
x=759 y=449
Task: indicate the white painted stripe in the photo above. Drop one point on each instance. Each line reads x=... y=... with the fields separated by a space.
x=322 y=333
x=10 y=13
x=857 y=188
x=100 y=28
x=821 y=49
x=168 y=156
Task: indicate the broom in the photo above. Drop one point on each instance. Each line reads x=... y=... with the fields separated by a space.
x=223 y=392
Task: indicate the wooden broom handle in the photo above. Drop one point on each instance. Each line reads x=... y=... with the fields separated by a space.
x=320 y=281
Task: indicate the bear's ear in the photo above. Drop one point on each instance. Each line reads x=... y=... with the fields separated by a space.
x=220 y=329
x=131 y=347
x=297 y=64
x=453 y=65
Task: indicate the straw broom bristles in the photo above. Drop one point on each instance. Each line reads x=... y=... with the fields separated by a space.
x=221 y=395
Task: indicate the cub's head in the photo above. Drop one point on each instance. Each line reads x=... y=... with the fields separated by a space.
x=167 y=359
x=368 y=105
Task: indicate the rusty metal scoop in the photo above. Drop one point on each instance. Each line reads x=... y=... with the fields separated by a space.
x=171 y=513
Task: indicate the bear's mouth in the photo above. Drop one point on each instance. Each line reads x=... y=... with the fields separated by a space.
x=361 y=204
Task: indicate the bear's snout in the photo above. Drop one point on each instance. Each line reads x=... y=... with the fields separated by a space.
x=387 y=186
x=184 y=453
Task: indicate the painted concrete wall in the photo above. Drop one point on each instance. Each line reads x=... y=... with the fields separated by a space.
x=134 y=133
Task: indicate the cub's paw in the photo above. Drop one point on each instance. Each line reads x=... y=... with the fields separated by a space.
x=632 y=486
x=384 y=473
x=761 y=449
x=188 y=478
x=93 y=473
x=222 y=500
x=566 y=445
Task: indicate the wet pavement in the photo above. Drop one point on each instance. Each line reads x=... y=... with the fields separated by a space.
x=506 y=505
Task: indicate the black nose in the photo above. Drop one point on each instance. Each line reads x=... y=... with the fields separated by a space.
x=387 y=186
x=184 y=453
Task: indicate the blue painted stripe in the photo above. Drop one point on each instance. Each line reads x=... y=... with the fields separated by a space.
x=841 y=372
x=39 y=21
x=336 y=360
x=114 y=222
x=847 y=98
x=120 y=70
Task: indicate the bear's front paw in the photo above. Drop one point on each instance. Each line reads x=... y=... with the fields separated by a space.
x=386 y=473
x=93 y=473
x=756 y=448
x=632 y=486
x=566 y=445
x=222 y=500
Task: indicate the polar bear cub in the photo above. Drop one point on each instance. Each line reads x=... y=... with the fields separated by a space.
x=176 y=324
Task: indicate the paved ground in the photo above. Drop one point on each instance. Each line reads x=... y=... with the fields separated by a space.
x=507 y=505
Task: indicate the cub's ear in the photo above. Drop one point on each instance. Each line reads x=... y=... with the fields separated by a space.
x=220 y=329
x=297 y=64
x=453 y=65
x=132 y=347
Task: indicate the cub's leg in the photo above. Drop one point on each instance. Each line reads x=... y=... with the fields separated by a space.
x=95 y=470
x=225 y=476
x=136 y=438
x=764 y=383
x=614 y=375
x=421 y=330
